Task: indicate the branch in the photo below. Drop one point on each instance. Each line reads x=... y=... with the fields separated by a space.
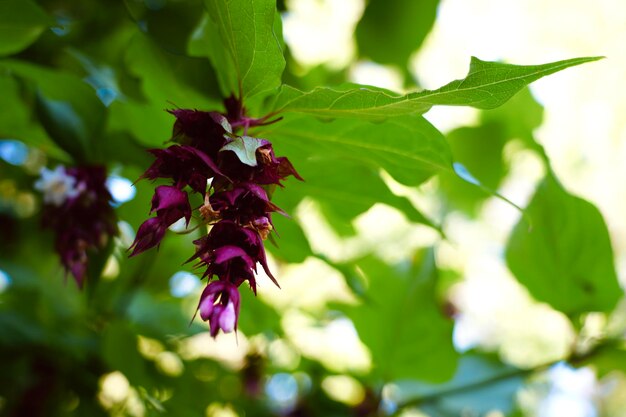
x=574 y=359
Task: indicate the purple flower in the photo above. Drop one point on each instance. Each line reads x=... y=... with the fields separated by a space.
x=209 y=147
x=234 y=265
x=244 y=204
x=219 y=305
x=185 y=165
x=235 y=112
x=171 y=204
x=201 y=130
x=269 y=169
x=149 y=235
x=77 y=207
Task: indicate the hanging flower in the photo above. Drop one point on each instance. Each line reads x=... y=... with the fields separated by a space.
x=237 y=206
x=77 y=208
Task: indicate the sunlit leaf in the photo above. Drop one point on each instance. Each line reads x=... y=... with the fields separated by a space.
x=346 y=188
x=390 y=31
x=486 y=86
x=401 y=322
x=248 y=56
x=289 y=243
x=409 y=148
x=565 y=259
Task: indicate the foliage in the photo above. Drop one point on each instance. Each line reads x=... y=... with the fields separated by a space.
x=87 y=82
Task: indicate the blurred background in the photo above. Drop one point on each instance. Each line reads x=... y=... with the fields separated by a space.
x=124 y=347
x=579 y=125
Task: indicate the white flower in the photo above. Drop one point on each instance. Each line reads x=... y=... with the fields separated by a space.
x=56 y=186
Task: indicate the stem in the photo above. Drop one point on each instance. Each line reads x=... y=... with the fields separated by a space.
x=474 y=385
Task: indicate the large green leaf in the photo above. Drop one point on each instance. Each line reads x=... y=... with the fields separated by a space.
x=165 y=81
x=19 y=124
x=565 y=259
x=68 y=108
x=480 y=385
x=167 y=317
x=255 y=316
x=166 y=78
x=169 y=23
x=390 y=31
x=21 y=23
x=480 y=149
x=409 y=148
x=243 y=45
x=346 y=189
x=486 y=86
x=290 y=243
x=119 y=337
x=402 y=324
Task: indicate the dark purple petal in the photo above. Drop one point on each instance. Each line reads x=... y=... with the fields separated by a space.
x=285 y=168
x=234 y=109
x=269 y=170
x=149 y=235
x=84 y=223
x=227 y=253
x=243 y=204
x=171 y=204
x=75 y=261
x=199 y=129
x=185 y=165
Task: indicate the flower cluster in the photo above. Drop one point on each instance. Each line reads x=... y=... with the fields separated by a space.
x=77 y=207
x=231 y=173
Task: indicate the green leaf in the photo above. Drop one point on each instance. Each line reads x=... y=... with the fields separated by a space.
x=289 y=244
x=64 y=125
x=390 y=31
x=519 y=117
x=166 y=77
x=169 y=23
x=117 y=338
x=19 y=124
x=402 y=324
x=166 y=317
x=480 y=149
x=480 y=385
x=21 y=23
x=566 y=258
x=346 y=188
x=68 y=108
x=486 y=86
x=255 y=316
x=245 y=148
x=164 y=80
x=248 y=57
x=409 y=148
